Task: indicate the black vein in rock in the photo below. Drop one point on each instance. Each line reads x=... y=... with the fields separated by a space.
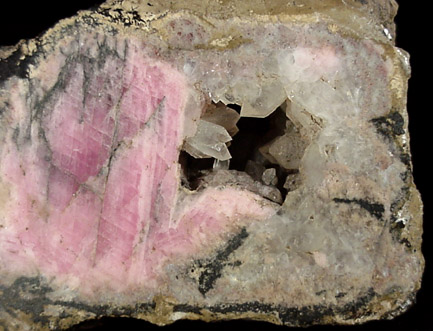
x=375 y=209
x=212 y=270
x=389 y=125
x=29 y=295
x=302 y=316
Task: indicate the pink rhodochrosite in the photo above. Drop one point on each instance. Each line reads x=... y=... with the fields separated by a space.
x=96 y=183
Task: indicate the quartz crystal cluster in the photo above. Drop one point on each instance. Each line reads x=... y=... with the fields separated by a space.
x=209 y=160
x=214 y=130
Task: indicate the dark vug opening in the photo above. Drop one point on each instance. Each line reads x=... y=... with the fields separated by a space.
x=244 y=148
x=254 y=133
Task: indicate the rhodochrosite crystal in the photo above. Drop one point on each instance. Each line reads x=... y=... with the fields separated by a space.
x=208 y=160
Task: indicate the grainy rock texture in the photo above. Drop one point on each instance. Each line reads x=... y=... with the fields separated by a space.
x=130 y=185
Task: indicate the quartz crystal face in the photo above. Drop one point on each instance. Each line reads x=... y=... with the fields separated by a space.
x=204 y=160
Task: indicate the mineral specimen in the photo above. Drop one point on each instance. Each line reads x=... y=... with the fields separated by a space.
x=208 y=160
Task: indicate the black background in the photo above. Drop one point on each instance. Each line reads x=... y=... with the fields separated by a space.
x=23 y=20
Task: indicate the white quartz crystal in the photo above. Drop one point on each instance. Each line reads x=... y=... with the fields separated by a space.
x=209 y=141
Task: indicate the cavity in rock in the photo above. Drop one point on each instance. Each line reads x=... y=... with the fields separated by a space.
x=266 y=149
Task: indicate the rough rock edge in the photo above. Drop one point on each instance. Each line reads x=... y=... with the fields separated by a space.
x=139 y=16
x=29 y=302
x=29 y=295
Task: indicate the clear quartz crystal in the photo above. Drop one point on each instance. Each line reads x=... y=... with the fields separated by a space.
x=270 y=97
x=209 y=141
x=221 y=165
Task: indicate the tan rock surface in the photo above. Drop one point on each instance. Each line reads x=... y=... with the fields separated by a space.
x=343 y=246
